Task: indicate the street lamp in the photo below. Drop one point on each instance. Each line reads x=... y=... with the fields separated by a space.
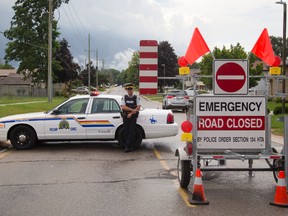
x=284 y=52
x=163 y=65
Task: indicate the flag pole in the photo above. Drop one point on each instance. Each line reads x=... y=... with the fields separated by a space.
x=248 y=56
x=212 y=55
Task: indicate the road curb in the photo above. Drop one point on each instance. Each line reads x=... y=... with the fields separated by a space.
x=277 y=139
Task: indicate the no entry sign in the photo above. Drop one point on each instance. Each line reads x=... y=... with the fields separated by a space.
x=230 y=77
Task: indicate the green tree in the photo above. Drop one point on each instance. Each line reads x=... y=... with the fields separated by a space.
x=29 y=37
x=167 y=59
x=112 y=74
x=122 y=77
x=235 y=52
x=132 y=72
x=84 y=75
x=6 y=66
x=67 y=72
x=107 y=76
x=277 y=45
x=103 y=78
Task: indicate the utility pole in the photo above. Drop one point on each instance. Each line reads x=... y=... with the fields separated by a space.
x=96 y=68
x=103 y=63
x=89 y=71
x=164 y=70
x=49 y=80
x=284 y=54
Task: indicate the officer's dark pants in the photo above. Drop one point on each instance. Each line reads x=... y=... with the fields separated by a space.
x=129 y=130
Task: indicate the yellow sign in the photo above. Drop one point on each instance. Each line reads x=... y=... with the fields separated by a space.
x=275 y=70
x=184 y=71
x=186 y=137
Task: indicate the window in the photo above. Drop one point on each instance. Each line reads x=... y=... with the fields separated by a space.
x=105 y=105
x=74 y=106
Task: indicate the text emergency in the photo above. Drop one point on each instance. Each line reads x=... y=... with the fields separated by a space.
x=230 y=106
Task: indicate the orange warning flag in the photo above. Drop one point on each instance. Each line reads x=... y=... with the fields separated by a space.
x=197 y=47
x=263 y=48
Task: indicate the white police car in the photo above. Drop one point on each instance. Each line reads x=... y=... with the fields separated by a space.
x=84 y=118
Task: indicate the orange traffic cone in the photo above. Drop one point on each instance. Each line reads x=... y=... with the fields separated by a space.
x=281 y=196
x=198 y=197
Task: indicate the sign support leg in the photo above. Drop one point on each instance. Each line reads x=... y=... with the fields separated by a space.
x=250 y=162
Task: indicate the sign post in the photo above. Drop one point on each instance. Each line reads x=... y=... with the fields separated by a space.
x=148 y=67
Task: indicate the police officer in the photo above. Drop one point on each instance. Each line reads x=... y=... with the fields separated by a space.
x=130 y=105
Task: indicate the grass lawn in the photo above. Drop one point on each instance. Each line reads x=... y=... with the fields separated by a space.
x=276 y=125
x=157 y=97
x=39 y=104
x=271 y=105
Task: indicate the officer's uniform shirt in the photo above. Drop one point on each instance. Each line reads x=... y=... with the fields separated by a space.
x=123 y=103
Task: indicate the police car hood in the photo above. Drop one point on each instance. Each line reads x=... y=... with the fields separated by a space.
x=24 y=116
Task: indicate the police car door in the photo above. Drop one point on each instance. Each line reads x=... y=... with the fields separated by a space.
x=68 y=121
x=104 y=118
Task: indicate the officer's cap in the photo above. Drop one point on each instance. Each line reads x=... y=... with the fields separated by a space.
x=129 y=86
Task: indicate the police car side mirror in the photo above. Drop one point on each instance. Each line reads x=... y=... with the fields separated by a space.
x=56 y=112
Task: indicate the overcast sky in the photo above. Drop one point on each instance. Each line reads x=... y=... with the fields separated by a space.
x=117 y=26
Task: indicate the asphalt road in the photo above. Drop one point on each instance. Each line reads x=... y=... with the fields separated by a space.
x=98 y=178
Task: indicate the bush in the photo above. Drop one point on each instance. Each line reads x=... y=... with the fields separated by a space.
x=278 y=110
x=278 y=100
x=57 y=94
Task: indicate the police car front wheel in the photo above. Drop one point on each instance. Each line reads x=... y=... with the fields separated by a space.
x=23 y=137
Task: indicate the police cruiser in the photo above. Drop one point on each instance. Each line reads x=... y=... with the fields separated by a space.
x=84 y=117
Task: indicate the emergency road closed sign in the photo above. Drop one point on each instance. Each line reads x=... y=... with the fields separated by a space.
x=230 y=77
x=236 y=122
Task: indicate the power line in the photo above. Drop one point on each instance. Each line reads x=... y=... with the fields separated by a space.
x=77 y=40
x=80 y=21
x=82 y=24
x=74 y=27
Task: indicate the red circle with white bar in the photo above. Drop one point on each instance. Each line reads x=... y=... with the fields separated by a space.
x=230 y=77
